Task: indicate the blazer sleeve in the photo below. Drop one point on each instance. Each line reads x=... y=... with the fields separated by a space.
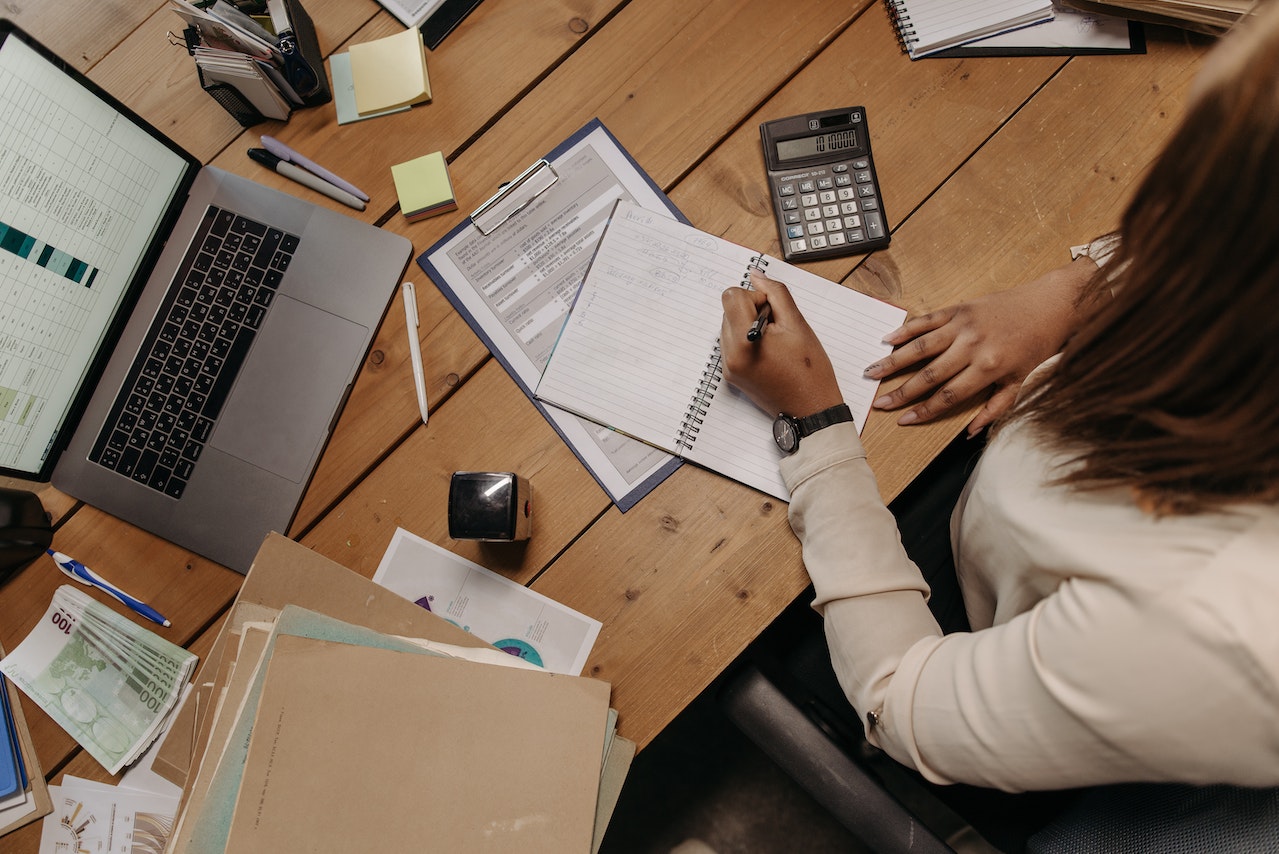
x=1091 y=685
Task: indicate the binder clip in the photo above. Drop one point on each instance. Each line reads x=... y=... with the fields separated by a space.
x=514 y=197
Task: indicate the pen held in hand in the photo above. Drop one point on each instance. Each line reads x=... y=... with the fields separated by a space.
x=756 y=331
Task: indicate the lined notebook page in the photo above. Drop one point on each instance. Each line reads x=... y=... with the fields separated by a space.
x=635 y=345
x=931 y=25
x=635 y=348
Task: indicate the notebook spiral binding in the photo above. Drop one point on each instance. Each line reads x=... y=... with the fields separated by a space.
x=899 y=15
x=712 y=377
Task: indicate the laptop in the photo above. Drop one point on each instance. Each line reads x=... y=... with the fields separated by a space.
x=176 y=342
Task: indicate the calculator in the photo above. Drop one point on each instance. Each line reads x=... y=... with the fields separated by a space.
x=826 y=197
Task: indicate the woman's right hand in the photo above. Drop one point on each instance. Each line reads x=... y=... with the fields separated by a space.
x=992 y=342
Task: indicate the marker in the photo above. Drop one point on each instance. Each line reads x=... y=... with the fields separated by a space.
x=415 y=347
x=756 y=331
x=283 y=152
x=86 y=576
x=305 y=178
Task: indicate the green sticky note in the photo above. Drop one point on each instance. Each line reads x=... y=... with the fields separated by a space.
x=424 y=187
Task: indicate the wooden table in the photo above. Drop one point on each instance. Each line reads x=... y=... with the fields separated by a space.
x=990 y=169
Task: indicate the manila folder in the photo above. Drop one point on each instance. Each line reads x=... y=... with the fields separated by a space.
x=362 y=749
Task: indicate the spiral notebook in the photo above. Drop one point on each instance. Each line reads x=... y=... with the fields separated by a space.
x=640 y=353
x=928 y=26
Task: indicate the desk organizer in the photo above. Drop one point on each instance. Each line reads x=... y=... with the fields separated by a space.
x=307 y=47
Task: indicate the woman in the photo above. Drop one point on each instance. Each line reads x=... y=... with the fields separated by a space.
x=1118 y=544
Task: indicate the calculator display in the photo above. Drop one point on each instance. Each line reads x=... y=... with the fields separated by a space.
x=811 y=146
x=825 y=193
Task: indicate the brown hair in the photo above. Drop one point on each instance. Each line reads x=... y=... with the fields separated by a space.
x=1173 y=387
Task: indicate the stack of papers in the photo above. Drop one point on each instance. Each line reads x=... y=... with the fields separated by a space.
x=423 y=187
x=333 y=715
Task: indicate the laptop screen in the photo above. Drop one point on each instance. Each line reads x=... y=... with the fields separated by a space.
x=85 y=189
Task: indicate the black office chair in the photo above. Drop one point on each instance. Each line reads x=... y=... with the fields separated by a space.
x=784 y=696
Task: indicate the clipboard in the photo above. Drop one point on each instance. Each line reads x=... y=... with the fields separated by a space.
x=514 y=197
x=504 y=217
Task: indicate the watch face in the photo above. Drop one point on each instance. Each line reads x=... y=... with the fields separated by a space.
x=784 y=434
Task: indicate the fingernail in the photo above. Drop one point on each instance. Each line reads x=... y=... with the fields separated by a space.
x=882 y=402
x=908 y=418
x=871 y=371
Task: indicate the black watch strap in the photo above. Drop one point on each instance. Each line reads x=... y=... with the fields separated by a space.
x=787 y=430
x=810 y=424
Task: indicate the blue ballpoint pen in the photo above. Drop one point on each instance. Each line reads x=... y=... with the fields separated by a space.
x=84 y=575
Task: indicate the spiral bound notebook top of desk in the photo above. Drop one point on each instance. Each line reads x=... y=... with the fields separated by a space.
x=928 y=26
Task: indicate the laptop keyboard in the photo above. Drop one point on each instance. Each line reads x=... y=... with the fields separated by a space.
x=174 y=392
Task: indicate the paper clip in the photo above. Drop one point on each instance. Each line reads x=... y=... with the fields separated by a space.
x=514 y=197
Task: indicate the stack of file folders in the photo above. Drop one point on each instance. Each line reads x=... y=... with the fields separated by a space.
x=334 y=715
x=259 y=59
x=23 y=794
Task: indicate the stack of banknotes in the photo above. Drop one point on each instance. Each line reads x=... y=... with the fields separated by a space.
x=106 y=680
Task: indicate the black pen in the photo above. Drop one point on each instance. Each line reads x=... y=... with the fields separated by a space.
x=305 y=178
x=756 y=331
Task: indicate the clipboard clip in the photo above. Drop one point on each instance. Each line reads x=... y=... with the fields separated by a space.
x=514 y=197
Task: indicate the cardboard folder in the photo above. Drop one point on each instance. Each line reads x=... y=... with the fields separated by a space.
x=428 y=752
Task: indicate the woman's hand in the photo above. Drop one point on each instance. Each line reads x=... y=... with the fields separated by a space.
x=787 y=369
x=992 y=342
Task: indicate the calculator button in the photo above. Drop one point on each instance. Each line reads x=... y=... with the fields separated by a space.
x=832 y=225
x=874 y=225
x=866 y=190
x=827 y=196
x=791 y=217
x=825 y=184
x=836 y=238
x=789 y=204
x=818 y=242
x=846 y=194
x=861 y=163
x=870 y=204
x=843 y=180
x=807 y=187
x=808 y=200
x=799 y=246
x=830 y=210
x=863 y=177
x=839 y=167
x=812 y=214
x=815 y=228
x=852 y=222
x=786 y=190
x=856 y=236
x=848 y=208
x=794 y=231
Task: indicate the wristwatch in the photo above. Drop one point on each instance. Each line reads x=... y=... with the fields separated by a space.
x=788 y=430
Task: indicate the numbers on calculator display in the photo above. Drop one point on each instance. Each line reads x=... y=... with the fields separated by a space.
x=822 y=180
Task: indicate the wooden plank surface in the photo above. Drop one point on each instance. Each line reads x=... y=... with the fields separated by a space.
x=990 y=168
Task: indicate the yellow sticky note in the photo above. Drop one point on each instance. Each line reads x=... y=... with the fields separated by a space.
x=423 y=186
x=390 y=72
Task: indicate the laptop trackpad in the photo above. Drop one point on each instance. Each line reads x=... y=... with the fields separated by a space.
x=281 y=407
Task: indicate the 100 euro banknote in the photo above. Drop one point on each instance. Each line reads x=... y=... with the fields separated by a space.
x=107 y=681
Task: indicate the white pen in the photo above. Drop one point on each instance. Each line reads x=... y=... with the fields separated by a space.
x=283 y=152
x=305 y=178
x=415 y=348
